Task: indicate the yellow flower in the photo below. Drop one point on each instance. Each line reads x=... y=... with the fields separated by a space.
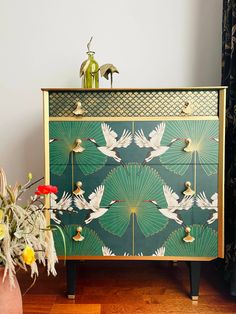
x=1 y=214
x=2 y=231
x=30 y=176
x=28 y=255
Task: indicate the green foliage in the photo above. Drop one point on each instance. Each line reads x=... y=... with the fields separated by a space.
x=201 y=134
x=205 y=243
x=90 y=246
x=90 y=160
x=133 y=185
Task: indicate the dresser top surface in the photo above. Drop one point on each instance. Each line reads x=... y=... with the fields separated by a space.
x=136 y=89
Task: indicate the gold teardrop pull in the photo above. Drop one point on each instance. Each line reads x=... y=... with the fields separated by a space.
x=78 y=236
x=79 y=111
x=188 y=108
x=78 y=190
x=78 y=148
x=188 y=147
x=188 y=238
x=188 y=190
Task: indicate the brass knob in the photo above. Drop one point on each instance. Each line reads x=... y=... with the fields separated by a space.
x=78 y=148
x=188 y=108
x=188 y=238
x=79 y=111
x=188 y=190
x=188 y=147
x=78 y=236
x=78 y=190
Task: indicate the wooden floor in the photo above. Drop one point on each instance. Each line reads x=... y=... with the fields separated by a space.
x=130 y=287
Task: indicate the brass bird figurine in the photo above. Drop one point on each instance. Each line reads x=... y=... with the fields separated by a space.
x=107 y=69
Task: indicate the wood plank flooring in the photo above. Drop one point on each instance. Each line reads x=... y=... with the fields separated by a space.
x=130 y=287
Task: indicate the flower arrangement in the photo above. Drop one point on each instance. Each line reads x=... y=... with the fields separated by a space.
x=25 y=236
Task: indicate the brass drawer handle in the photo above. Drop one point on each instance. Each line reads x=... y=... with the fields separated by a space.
x=188 y=108
x=188 y=237
x=78 y=236
x=79 y=111
x=188 y=147
x=188 y=191
x=78 y=190
x=78 y=148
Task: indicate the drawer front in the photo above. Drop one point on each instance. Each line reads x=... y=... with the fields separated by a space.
x=134 y=226
x=171 y=143
x=138 y=103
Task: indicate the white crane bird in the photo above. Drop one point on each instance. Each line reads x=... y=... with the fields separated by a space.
x=204 y=203
x=94 y=204
x=64 y=204
x=112 y=143
x=153 y=142
x=173 y=204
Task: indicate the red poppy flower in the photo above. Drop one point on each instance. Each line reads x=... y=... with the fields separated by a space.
x=46 y=189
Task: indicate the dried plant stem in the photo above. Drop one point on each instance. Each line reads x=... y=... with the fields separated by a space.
x=31 y=286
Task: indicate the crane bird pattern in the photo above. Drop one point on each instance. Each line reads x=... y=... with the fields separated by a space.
x=171 y=207
x=93 y=205
x=153 y=142
x=112 y=143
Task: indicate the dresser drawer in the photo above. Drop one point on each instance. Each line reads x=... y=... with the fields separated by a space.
x=180 y=142
x=134 y=103
x=135 y=226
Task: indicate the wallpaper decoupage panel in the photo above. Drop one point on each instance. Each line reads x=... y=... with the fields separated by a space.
x=140 y=221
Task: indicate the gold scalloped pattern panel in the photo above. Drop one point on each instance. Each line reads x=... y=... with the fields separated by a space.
x=131 y=103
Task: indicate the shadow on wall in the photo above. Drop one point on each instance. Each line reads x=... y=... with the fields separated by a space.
x=28 y=153
x=33 y=154
x=206 y=53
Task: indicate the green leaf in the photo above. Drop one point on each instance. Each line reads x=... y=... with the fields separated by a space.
x=133 y=184
x=205 y=243
x=61 y=235
x=90 y=246
x=201 y=134
x=90 y=160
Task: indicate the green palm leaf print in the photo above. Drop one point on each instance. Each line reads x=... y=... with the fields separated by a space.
x=90 y=160
x=90 y=246
x=201 y=134
x=133 y=184
x=205 y=243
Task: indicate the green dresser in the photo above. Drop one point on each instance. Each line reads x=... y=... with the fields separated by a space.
x=143 y=168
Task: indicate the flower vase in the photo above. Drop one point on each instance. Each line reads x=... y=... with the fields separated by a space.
x=10 y=297
x=90 y=70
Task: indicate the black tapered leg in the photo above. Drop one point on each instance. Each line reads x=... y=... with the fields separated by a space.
x=194 y=272
x=71 y=271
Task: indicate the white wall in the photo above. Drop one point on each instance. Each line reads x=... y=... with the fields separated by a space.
x=154 y=43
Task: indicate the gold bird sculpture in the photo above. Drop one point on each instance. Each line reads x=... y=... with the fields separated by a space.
x=107 y=69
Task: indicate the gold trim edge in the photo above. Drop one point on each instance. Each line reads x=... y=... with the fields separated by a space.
x=46 y=151
x=156 y=118
x=221 y=173
x=61 y=89
x=147 y=258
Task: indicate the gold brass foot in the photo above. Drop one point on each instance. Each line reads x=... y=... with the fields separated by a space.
x=71 y=296
x=194 y=297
